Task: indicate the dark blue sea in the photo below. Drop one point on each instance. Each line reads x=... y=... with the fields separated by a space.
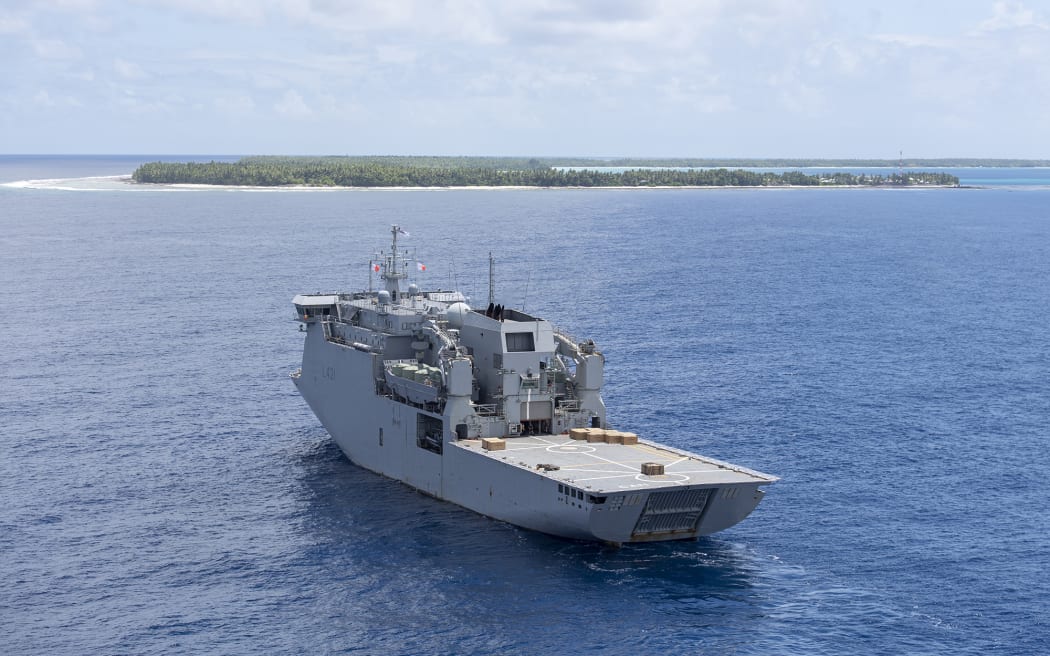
x=165 y=490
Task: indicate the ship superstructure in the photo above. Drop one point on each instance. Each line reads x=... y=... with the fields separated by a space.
x=500 y=412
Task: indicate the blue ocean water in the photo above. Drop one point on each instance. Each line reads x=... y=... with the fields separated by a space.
x=885 y=352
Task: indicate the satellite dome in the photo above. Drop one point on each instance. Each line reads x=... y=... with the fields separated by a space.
x=456 y=313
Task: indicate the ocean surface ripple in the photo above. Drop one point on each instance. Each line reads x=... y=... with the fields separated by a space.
x=885 y=352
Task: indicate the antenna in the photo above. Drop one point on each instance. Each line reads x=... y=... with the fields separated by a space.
x=492 y=279
x=526 y=295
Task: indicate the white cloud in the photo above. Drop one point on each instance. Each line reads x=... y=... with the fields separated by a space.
x=915 y=41
x=976 y=76
x=513 y=75
x=13 y=25
x=292 y=105
x=695 y=97
x=234 y=104
x=55 y=49
x=1013 y=15
x=128 y=70
x=396 y=54
x=136 y=105
x=252 y=12
x=74 y=5
x=43 y=98
x=795 y=94
x=836 y=56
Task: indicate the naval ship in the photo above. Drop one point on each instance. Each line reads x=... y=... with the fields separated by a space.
x=500 y=412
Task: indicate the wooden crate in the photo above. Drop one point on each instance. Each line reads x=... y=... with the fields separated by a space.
x=595 y=434
x=652 y=469
x=493 y=443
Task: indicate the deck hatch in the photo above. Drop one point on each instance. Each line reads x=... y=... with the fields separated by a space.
x=674 y=511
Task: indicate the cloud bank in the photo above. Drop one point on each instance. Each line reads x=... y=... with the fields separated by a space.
x=660 y=78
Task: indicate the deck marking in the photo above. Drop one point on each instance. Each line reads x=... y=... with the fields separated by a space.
x=540 y=439
x=647 y=479
x=570 y=448
x=611 y=462
x=531 y=447
x=602 y=478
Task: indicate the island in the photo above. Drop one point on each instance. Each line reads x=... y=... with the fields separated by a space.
x=432 y=171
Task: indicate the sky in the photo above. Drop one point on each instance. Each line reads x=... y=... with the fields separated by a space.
x=596 y=78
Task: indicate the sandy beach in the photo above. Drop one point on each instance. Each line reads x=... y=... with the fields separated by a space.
x=125 y=183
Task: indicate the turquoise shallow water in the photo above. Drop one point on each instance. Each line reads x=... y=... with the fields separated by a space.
x=883 y=351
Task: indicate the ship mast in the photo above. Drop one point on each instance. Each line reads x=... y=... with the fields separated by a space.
x=395 y=268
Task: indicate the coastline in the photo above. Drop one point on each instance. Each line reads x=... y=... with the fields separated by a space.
x=117 y=182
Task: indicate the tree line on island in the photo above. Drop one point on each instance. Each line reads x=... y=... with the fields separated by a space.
x=392 y=171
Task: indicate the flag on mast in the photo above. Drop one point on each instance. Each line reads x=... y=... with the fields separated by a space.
x=402 y=231
x=375 y=267
x=420 y=266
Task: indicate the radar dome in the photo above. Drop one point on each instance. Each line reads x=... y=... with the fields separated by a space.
x=456 y=313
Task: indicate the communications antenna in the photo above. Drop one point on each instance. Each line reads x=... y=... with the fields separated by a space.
x=492 y=279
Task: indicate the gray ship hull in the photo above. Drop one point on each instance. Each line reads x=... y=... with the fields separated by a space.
x=498 y=411
x=380 y=434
